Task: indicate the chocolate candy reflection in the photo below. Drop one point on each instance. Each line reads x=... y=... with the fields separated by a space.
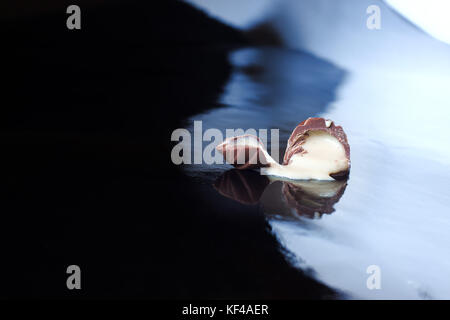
x=244 y=186
x=281 y=198
x=312 y=198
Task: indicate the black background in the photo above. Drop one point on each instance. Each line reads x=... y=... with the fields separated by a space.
x=87 y=179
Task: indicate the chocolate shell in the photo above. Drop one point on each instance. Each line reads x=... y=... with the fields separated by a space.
x=320 y=155
x=245 y=152
x=301 y=133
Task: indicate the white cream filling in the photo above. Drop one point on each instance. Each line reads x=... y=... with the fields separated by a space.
x=323 y=155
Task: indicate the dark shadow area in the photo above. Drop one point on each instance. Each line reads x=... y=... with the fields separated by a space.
x=87 y=178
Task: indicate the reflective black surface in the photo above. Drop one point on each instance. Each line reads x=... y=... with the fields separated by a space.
x=87 y=177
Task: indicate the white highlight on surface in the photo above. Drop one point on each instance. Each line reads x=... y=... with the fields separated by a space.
x=431 y=15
